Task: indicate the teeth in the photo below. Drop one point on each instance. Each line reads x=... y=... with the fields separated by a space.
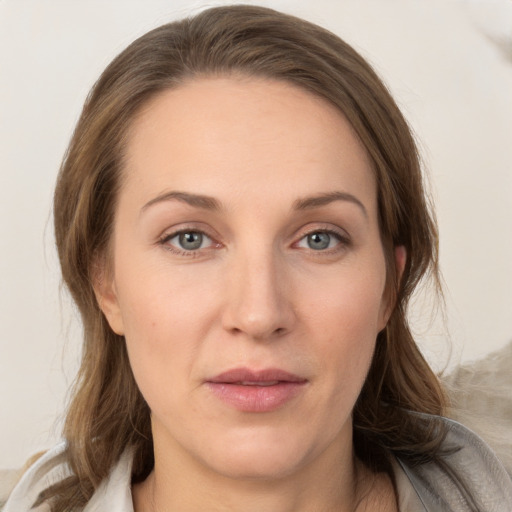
x=258 y=383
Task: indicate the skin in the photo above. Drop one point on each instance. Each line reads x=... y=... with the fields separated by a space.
x=257 y=293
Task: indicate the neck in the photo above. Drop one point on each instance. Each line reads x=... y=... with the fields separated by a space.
x=156 y=495
x=340 y=484
x=279 y=476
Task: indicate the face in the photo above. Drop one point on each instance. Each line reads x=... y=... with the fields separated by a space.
x=248 y=274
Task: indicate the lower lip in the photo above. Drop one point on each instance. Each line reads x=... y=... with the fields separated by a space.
x=256 y=398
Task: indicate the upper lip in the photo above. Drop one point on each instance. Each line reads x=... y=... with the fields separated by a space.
x=247 y=375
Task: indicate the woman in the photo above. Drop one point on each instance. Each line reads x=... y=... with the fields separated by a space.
x=241 y=220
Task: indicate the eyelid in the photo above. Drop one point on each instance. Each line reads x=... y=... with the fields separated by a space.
x=170 y=233
x=342 y=236
x=172 y=236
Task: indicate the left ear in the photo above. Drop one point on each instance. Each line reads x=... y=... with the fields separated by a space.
x=389 y=298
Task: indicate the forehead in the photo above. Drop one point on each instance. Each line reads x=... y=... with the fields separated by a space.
x=257 y=134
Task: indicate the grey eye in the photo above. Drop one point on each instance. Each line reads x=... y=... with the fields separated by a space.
x=319 y=240
x=191 y=240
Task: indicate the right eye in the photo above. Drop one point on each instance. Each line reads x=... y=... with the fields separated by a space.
x=187 y=241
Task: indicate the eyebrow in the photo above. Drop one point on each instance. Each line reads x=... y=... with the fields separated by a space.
x=199 y=201
x=210 y=203
x=319 y=200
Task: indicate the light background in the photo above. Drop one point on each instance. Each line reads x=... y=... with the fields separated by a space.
x=445 y=61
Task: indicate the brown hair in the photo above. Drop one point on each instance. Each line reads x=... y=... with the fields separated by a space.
x=107 y=413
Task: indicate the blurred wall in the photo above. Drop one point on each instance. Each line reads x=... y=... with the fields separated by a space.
x=446 y=63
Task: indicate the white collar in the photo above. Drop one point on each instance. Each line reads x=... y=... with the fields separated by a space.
x=114 y=493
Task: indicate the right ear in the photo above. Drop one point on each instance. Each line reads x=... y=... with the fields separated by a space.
x=106 y=296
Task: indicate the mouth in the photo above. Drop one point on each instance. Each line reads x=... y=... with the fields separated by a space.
x=256 y=391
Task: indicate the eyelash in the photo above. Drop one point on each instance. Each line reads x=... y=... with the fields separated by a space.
x=343 y=241
x=166 y=238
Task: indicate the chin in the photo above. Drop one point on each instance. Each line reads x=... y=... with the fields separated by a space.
x=259 y=458
x=258 y=468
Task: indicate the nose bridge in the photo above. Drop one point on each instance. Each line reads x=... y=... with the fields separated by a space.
x=258 y=303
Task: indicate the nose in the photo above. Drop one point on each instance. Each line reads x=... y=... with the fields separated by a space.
x=258 y=297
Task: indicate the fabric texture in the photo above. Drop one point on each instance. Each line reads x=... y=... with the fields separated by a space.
x=481 y=397
x=470 y=479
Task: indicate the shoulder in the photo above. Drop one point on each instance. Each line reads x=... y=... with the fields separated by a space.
x=113 y=494
x=480 y=393
x=467 y=476
x=46 y=471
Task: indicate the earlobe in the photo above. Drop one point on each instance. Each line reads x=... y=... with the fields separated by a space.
x=106 y=296
x=400 y=259
x=389 y=299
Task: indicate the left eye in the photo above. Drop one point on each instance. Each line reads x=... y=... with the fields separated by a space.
x=189 y=240
x=319 y=240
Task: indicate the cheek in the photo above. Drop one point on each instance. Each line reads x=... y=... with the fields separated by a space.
x=348 y=302
x=345 y=319
x=159 y=302
x=341 y=329
x=165 y=318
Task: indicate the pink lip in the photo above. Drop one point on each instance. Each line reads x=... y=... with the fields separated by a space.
x=256 y=391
